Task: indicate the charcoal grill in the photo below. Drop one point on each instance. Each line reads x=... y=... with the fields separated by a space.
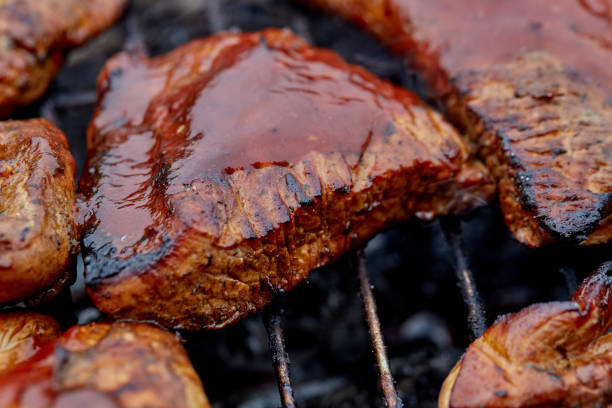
x=320 y=324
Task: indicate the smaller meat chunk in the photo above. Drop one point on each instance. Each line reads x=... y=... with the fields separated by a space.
x=101 y=365
x=38 y=236
x=22 y=334
x=556 y=354
x=34 y=37
x=545 y=133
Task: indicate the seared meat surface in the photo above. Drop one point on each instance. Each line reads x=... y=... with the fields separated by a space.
x=34 y=37
x=530 y=81
x=547 y=136
x=231 y=167
x=556 y=354
x=22 y=334
x=38 y=233
x=101 y=365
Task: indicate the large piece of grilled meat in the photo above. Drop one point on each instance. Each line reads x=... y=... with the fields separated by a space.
x=38 y=233
x=100 y=365
x=530 y=82
x=34 y=37
x=556 y=354
x=231 y=167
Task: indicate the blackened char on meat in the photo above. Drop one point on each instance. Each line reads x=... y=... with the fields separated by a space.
x=530 y=82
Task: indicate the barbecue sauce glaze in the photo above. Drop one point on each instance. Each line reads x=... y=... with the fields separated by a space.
x=229 y=168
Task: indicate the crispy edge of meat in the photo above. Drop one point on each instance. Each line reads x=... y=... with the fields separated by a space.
x=548 y=354
x=193 y=282
x=38 y=233
x=21 y=336
x=34 y=38
x=107 y=365
x=384 y=19
x=545 y=135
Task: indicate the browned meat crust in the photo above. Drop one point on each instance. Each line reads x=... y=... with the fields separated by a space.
x=34 y=37
x=105 y=365
x=230 y=168
x=547 y=136
x=22 y=335
x=38 y=234
x=555 y=354
x=551 y=154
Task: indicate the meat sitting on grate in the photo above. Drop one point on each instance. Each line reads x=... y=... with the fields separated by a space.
x=231 y=167
x=100 y=365
x=38 y=233
x=530 y=82
x=22 y=334
x=555 y=354
x=34 y=37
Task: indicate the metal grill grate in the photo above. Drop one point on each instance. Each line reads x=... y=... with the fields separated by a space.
x=476 y=321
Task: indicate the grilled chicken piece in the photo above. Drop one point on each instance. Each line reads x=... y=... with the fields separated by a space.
x=22 y=335
x=555 y=354
x=38 y=234
x=34 y=37
x=100 y=365
x=530 y=82
x=231 y=167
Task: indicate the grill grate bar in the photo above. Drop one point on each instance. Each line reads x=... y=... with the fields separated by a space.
x=216 y=18
x=134 y=42
x=371 y=316
x=280 y=359
x=570 y=278
x=476 y=314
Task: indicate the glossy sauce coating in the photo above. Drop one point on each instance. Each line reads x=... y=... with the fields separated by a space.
x=34 y=37
x=105 y=365
x=23 y=334
x=38 y=233
x=253 y=107
x=445 y=37
x=232 y=166
x=556 y=354
x=541 y=67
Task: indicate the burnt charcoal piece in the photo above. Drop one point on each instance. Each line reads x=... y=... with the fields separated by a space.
x=550 y=354
x=228 y=169
x=101 y=365
x=530 y=83
x=34 y=38
x=38 y=233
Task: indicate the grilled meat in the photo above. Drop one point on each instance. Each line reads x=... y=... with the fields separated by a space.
x=34 y=37
x=38 y=233
x=530 y=82
x=102 y=365
x=547 y=136
x=22 y=334
x=556 y=354
x=231 y=167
